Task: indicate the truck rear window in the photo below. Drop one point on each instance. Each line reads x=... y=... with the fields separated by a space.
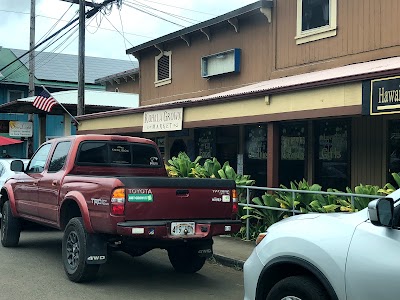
x=117 y=153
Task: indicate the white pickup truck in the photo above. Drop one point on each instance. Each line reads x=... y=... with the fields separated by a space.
x=329 y=256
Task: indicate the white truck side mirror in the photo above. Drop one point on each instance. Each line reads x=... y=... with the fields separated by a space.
x=381 y=212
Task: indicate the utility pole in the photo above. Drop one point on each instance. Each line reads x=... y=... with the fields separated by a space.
x=81 y=46
x=31 y=88
x=81 y=58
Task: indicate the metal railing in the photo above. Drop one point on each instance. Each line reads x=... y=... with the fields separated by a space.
x=294 y=192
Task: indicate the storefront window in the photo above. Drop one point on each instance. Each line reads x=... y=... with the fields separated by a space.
x=205 y=143
x=394 y=150
x=227 y=147
x=332 y=164
x=255 y=158
x=292 y=165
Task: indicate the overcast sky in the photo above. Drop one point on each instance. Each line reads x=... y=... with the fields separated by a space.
x=104 y=33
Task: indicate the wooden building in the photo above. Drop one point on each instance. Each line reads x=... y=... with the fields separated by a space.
x=283 y=90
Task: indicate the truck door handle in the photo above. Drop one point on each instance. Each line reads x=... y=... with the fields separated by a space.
x=54 y=183
x=182 y=193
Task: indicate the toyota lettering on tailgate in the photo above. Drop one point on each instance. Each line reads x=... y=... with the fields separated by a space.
x=140 y=191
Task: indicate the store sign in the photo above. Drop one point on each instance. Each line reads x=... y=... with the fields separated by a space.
x=163 y=120
x=385 y=96
x=20 y=129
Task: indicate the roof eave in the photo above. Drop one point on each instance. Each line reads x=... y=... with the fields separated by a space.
x=221 y=99
x=117 y=76
x=177 y=34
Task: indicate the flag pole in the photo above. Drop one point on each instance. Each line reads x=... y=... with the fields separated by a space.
x=62 y=106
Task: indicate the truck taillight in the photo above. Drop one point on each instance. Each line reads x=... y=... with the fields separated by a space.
x=234 y=196
x=235 y=208
x=235 y=205
x=118 y=202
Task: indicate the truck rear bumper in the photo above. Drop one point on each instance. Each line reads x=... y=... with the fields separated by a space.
x=162 y=228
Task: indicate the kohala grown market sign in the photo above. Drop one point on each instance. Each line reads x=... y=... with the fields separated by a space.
x=163 y=120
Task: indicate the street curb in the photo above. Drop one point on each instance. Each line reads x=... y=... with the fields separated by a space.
x=229 y=262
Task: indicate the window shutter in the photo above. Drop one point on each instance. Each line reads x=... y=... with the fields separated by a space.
x=163 y=67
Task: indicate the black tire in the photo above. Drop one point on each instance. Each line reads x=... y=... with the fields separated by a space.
x=74 y=252
x=301 y=287
x=185 y=259
x=10 y=227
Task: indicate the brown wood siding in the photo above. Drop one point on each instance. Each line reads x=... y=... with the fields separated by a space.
x=367 y=153
x=254 y=40
x=366 y=30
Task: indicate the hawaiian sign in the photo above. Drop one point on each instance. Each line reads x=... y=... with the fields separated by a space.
x=385 y=96
x=163 y=120
x=20 y=129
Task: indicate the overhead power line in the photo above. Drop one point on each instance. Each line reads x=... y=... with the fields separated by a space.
x=42 y=58
x=186 y=19
x=41 y=43
x=187 y=9
x=88 y=15
x=151 y=14
x=55 y=24
x=51 y=18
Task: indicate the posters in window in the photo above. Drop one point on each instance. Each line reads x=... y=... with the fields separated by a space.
x=257 y=142
x=333 y=143
x=206 y=143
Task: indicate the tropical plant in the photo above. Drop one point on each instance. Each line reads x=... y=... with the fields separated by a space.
x=266 y=216
x=298 y=201
x=361 y=202
x=182 y=166
x=211 y=167
x=388 y=188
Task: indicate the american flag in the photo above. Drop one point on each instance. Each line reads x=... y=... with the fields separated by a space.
x=44 y=101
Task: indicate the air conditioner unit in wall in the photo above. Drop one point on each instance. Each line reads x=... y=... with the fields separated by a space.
x=221 y=63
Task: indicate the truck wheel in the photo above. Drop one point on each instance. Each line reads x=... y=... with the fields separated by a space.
x=74 y=252
x=10 y=227
x=298 y=288
x=185 y=259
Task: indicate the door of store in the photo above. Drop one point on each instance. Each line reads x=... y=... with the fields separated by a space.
x=292 y=163
x=255 y=156
x=332 y=151
x=227 y=140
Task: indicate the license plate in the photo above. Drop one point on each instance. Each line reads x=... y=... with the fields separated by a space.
x=182 y=228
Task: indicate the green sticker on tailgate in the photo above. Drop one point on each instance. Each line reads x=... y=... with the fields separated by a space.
x=140 y=197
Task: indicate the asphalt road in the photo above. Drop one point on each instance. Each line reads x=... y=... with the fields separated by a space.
x=34 y=270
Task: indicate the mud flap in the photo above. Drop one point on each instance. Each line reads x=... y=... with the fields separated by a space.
x=205 y=250
x=96 y=249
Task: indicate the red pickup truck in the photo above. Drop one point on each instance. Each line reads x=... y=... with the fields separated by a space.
x=110 y=192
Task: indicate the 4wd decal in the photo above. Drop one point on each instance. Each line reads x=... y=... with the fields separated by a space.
x=140 y=197
x=96 y=257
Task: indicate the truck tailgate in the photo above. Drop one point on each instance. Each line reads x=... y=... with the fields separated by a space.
x=152 y=198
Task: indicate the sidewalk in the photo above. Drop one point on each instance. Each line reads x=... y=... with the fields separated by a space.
x=232 y=252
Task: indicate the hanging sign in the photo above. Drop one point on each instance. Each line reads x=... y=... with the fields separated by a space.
x=20 y=129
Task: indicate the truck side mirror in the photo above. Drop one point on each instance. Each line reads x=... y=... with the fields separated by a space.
x=17 y=166
x=381 y=212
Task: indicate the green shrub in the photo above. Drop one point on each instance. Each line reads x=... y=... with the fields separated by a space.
x=260 y=219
